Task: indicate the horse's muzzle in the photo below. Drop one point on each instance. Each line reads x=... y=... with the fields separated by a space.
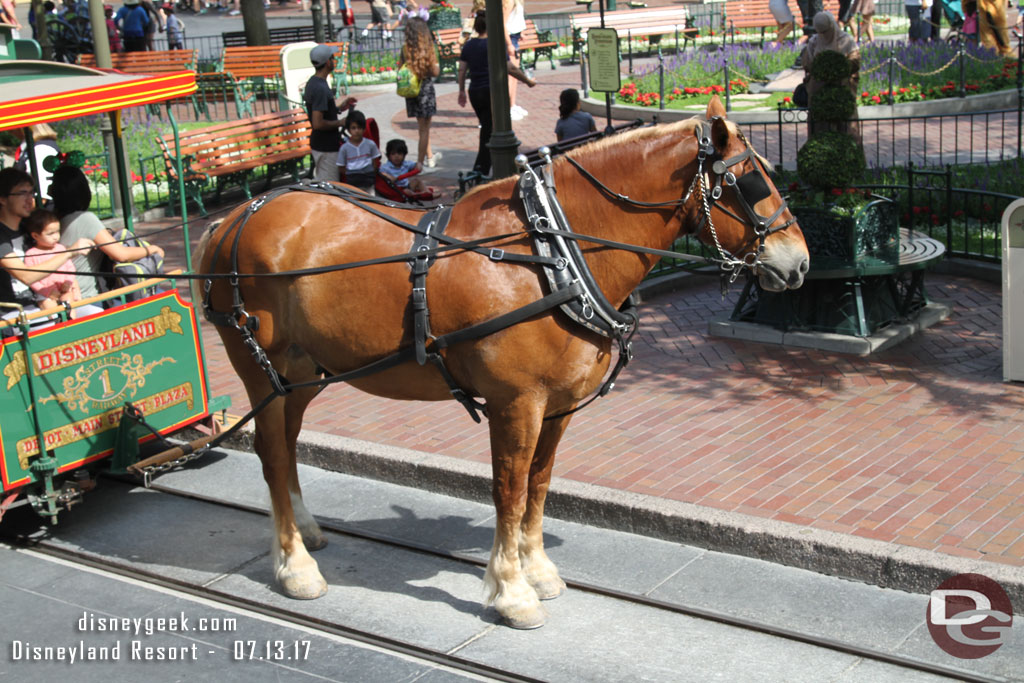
x=774 y=278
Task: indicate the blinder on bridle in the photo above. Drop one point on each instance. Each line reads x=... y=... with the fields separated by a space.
x=751 y=188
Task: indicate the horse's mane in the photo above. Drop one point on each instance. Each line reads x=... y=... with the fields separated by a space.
x=684 y=127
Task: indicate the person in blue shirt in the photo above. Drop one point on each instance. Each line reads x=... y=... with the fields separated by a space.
x=572 y=122
x=132 y=19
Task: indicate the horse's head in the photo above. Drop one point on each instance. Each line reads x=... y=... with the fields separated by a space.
x=739 y=211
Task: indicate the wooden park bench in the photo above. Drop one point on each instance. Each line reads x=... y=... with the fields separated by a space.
x=229 y=153
x=754 y=14
x=157 y=62
x=450 y=40
x=540 y=43
x=449 y=47
x=652 y=23
x=278 y=36
x=247 y=71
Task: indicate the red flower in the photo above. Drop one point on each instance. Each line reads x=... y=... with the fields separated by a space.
x=836 y=191
x=794 y=186
x=150 y=177
x=786 y=100
x=876 y=99
x=103 y=175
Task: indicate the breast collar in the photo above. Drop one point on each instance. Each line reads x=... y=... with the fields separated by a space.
x=591 y=308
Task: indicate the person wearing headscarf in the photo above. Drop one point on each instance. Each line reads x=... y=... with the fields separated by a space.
x=829 y=36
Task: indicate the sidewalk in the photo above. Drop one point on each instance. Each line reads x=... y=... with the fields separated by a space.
x=918 y=448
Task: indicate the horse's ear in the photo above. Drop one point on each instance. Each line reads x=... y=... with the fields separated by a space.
x=715 y=108
x=720 y=133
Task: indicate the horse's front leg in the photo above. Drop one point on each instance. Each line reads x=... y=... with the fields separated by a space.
x=514 y=431
x=295 y=407
x=540 y=571
x=295 y=570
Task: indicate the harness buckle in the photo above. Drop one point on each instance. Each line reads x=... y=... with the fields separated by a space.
x=496 y=254
x=419 y=298
x=730 y=178
x=716 y=192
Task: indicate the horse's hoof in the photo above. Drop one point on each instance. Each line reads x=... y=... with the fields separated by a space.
x=304 y=590
x=528 y=621
x=316 y=543
x=549 y=589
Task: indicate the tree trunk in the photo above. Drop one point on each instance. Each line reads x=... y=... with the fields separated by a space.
x=255 y=19
x=42 y=36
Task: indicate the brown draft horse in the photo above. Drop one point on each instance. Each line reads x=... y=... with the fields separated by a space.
x=541 y=367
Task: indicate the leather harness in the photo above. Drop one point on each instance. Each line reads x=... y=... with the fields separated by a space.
x=572 y=286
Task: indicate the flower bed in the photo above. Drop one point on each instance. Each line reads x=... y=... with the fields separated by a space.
x=699 y=73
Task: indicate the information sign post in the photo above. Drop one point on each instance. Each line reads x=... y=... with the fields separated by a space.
x=603 y=60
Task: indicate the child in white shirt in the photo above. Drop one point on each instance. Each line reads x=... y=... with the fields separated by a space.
x=359 y=157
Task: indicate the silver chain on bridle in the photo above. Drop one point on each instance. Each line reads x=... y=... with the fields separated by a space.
x=720 y=167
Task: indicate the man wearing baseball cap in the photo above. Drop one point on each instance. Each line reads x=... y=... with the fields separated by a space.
x=325 y=136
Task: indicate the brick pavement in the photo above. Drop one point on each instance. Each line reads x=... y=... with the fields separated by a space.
x=919 y=446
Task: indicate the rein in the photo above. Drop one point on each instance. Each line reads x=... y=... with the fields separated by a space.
x=757 y=187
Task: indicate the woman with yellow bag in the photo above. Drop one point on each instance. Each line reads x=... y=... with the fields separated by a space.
x=419 y=59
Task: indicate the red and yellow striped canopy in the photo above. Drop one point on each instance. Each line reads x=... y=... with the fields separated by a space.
x=43 y=92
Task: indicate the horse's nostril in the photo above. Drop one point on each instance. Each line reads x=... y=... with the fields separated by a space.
x=805 y=265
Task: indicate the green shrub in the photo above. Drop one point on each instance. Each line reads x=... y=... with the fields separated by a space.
x=830 y=159
x=831 y=67
x=832 y=103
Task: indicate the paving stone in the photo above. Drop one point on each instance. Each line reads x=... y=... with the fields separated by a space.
x=662 y=646
x=796 y=599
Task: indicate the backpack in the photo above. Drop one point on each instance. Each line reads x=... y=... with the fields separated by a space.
x=129 y=272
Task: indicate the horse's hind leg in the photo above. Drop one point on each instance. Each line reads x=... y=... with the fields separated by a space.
x=541 y=572
x=514 y=431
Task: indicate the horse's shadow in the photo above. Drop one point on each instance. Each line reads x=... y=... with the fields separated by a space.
x=365 y=562
x=140 y=528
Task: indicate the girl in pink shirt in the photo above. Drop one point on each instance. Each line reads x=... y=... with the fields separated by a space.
x=56 y=288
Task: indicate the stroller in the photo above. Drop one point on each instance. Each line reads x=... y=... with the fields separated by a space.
x=954 y=13
x=388 y=189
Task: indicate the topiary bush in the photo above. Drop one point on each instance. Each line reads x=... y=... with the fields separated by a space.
x=830 y=159
x=831 y=67
x=832 y=103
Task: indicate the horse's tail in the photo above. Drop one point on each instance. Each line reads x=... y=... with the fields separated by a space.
x=197 y=258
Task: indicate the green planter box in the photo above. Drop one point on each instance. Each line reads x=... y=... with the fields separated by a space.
x=445 y=18
x=855 y=286
x=847 y=241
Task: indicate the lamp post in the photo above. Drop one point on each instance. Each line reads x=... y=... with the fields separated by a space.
x=318 y=21
x=503 y=144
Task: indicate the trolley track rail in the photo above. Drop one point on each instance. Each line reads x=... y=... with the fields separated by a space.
x=397 y=646
x=452 y=660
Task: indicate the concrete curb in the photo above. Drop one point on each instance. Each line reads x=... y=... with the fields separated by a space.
x=882 y=564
